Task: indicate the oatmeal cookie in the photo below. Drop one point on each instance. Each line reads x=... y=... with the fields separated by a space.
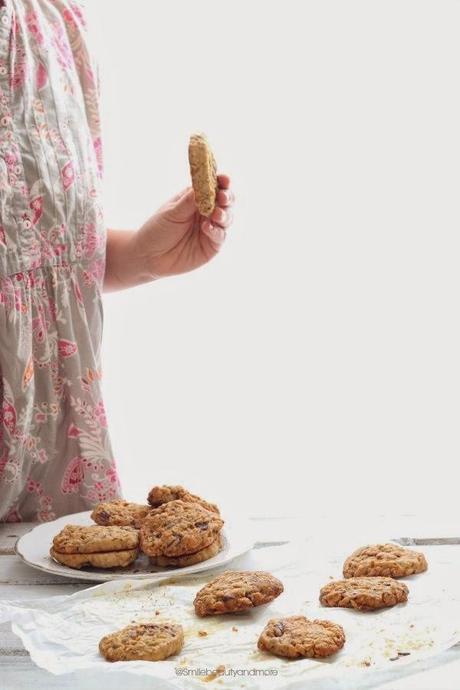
x=203 y=170
x=193 y=558
x=389 y=560
x=95 y=539
x=120 y=513
x=178 y=529
x=364 y=593
x=145 y=641
x=163 y=494
x=297 y=636
x=110 y=559
x=236 y=591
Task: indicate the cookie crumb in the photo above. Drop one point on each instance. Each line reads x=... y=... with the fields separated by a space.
x=399 y=655
x=202 y=633
x=234 y=628
x=219 y=671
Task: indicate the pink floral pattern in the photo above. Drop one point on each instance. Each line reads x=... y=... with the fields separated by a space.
x=55 y=453
x=68 y=175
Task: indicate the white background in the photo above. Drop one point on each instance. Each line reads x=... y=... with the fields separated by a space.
x=315 y=364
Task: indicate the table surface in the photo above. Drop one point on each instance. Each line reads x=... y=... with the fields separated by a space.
x=19 y=581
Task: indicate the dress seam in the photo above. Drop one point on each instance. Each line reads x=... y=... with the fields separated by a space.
x=41 y=267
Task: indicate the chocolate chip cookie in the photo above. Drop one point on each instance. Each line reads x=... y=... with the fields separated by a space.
x=203 y=170
x=193 y=558
x=236 y=591
x=120 y=513
x=95 y=539
x=296 y=637
x=389 y=560
x=164 y=494
x=110 y=559
x=364 y=593
x=146 y=641
x=178 y=528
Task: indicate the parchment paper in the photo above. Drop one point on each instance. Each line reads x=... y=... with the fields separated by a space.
x=62 y=633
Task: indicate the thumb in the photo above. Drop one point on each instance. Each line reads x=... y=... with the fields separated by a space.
x=184 y=201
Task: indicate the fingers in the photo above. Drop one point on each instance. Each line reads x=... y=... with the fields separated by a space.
x=221 y=217
x=215 y=233
x=225 y=197
x=223 y=181
x=215 y=227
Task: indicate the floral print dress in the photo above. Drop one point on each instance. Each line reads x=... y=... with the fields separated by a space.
x=55 y=454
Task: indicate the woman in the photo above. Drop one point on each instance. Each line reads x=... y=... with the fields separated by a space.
x=56 y=258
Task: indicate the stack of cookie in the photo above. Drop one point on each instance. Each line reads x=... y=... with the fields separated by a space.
x=121 y=513
x=77 y=546
x=177 y=528
x=180 y=533
x=159 y=495
x=125 y=513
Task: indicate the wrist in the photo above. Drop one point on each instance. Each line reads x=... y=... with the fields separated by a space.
x=127 y=264
x=143 y=256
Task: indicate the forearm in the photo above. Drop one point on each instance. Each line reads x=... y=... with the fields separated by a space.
x=125 y=265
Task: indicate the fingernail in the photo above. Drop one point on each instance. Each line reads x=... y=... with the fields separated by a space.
x=217 y=234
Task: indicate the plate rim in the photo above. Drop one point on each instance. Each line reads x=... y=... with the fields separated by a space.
x=98 y=576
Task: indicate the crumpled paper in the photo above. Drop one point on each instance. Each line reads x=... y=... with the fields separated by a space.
x=62 y=633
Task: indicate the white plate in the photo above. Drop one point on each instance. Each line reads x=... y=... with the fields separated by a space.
x=34 y=547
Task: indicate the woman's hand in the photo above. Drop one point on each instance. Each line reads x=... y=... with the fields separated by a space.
x=177 y=239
